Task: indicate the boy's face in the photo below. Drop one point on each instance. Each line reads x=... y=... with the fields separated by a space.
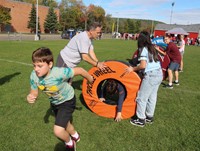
x=42 y=68
x=167 y=40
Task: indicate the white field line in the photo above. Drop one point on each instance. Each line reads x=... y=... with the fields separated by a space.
x=11 y=61
x=27 y=64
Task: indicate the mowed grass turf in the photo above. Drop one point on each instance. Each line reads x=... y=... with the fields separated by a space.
x=29 y=127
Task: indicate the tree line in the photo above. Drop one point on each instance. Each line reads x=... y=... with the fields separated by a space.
x=74 y=14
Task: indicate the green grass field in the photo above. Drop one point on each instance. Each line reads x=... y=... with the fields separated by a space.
x=25 y=127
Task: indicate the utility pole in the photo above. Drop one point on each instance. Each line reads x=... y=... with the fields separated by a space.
x=36 y=31
x=171 y=12
x=152 y=24
x=117 y=26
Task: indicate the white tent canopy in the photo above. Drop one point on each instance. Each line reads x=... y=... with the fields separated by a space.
x=177 y=31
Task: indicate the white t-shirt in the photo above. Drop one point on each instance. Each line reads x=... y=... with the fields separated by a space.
x=79 y=44
x=182 y=46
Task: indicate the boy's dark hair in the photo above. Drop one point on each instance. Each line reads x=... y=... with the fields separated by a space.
x=111 y=86
x=93 y=26
x=42 y=54
x=168 y=36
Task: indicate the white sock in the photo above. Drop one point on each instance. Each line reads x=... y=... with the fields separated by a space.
x=176 y=80
x=170 y=83
x=75 y=135
x=70 y=143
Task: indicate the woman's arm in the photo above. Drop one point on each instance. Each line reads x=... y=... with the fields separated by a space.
x=141 y=66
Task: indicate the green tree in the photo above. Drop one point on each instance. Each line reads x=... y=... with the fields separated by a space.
x=32 y=20
x=4 y=16
x=49 y=3
x=72 y=14
x=137 y=26
x=131 y=25
x=96 y=14
x=108 y=24
x=123 y=26
x=51 y=22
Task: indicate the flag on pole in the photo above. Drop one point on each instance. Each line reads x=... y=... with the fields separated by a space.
x=173 y=3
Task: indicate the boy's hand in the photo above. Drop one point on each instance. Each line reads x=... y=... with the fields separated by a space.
x=118 y=117
x=102 y=99
x=157 y=48
x=31 y=98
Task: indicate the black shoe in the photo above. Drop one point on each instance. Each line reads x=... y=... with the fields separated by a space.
x=169 y=86
x=137 y=122
x=149 y=120
x=176 y=83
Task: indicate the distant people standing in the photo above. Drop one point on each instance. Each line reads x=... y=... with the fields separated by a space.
x=197 y=41
x=181 y=46
x=175 y=60
x=188 y=41
x=70 y=35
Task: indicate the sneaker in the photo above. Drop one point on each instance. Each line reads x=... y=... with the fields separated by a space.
x=72 y=147
x=76 y=139
x=169 y=86
x=137 y=122
x=180 y=70
x=149 y=120
x=176 y=83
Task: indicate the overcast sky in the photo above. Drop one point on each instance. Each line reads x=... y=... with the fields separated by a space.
x=183 y=12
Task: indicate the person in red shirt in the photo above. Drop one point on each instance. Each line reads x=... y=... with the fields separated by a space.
x=175 y=58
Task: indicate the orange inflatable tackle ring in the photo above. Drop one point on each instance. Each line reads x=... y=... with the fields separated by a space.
x=113 y=70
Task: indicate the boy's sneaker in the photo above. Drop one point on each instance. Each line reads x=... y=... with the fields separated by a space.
x=137 y=122
x=149 y=120
x=176 y=83
x=169 y=86
x=180 y=70
x=72 y=147
x=76 y=139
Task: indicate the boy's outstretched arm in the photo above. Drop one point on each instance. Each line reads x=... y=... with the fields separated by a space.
x=160 y=51
x=83 y=73
x=32 y=96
